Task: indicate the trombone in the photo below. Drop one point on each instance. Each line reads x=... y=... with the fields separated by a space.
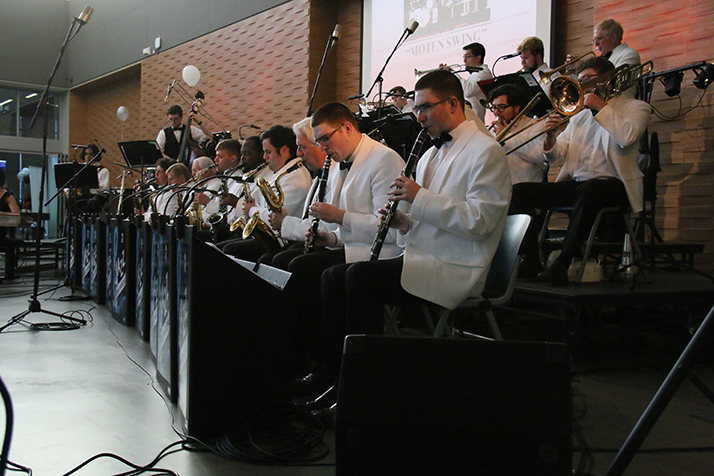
x=568 y=96
x=545 y=78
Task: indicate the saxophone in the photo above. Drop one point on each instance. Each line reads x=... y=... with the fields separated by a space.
x=322 y=188
x=194 y=212
x=274 y=201
x=391 y=207
x=246 y=178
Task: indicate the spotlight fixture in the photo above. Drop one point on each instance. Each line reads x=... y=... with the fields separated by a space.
x=673 y=83
x=705 y=75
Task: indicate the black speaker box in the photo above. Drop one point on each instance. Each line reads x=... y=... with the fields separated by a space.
x=423 y=406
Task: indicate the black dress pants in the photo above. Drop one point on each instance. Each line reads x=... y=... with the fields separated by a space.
x=353 y=300
x=587 y=199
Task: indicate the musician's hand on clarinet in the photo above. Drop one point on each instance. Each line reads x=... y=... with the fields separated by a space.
x=403 y=188
x=323 y=238
x=276 y=218
x=400 y=221
x=229 y=200
x=327 y=213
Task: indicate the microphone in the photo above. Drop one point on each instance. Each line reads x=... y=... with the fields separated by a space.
x=336 y=32
x=77 y=146
x=512 y=55
x=253 y=126
x=83 y=17
x=412 y=28
x=168 y=91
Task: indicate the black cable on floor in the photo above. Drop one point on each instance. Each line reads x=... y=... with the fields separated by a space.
x=136 y=469
x=276 y=434
x=5 y=452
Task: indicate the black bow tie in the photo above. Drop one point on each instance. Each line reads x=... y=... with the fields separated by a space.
x=345 y=165
x=607 y=55
x=179 y=128
x=439 y=141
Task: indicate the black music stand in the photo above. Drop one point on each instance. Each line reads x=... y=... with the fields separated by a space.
x=400 y=131
x=528 y=86
x=140 y=153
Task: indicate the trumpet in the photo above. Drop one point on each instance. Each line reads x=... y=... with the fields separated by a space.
x=545 y=78
x=568 y=96
x=454 y=68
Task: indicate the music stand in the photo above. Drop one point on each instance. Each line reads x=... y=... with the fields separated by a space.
x=526 y=84
x=400 y=132
x=140 y=153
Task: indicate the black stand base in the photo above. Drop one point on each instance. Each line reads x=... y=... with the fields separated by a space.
x=34 y=307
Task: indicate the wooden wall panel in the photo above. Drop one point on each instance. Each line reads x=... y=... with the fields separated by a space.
x=671 y=34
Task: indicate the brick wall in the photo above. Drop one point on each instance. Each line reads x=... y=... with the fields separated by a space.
x=92 y=112
x=252 y=72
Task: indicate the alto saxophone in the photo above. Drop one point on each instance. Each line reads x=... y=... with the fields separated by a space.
x=275 y=204
x=245 y=193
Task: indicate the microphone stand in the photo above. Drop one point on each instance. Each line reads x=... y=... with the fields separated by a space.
x=380 y=79
x=328 y=48
x=42 y=106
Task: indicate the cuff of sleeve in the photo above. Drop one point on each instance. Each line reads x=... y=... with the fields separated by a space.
x=347 y=221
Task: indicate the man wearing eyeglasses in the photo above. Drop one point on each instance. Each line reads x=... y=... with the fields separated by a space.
x=607 y=40
x=599 y=148
x=474 y=56
x=357 y=185
x=458 y=204
x=527 y=163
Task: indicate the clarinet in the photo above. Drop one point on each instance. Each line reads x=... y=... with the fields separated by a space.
x=321 y=189
x=391 y=207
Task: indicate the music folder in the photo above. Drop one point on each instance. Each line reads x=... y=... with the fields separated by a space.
x=140 y=153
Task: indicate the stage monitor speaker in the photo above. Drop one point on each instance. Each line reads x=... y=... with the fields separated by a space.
x=424 y=406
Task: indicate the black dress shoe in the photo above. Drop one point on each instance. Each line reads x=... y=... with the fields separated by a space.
x=314 y=383
x=326 y=415
x=327 y=398
x=557 y=274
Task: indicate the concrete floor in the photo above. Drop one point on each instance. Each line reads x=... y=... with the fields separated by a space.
x=77 y=393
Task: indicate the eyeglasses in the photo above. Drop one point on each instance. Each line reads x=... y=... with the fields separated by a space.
x=597 y=39
x=427 y=107
x=468 y=56
x=499 y=107
x=324 y=140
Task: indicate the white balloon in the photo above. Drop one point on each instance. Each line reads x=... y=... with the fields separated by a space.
x=123 y=113
x=191 y=75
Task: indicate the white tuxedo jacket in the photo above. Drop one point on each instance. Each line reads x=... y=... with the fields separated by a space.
x=457 y=223
x=362 y=193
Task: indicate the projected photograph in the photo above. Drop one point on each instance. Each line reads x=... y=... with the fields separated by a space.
x=445 y=27
x=437 y=16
